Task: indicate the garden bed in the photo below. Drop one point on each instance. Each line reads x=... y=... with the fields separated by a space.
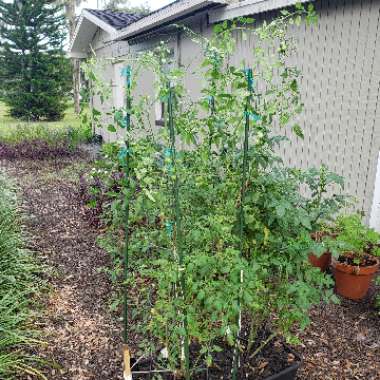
x=275 y=359
x=342 y=343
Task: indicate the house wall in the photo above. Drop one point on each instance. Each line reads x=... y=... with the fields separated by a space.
x=374 y=221
x=340 y=62
x=103 y=50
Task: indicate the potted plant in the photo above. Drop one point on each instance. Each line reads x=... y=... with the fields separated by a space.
x=354 y=261
x=322 y=207
x=320 y=258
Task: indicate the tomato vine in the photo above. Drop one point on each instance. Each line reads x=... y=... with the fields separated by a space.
x=219 y=229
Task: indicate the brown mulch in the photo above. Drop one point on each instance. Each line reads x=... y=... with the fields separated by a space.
x=343 y=342
x=83 y=339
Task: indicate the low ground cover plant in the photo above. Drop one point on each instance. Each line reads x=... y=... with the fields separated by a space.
x=19 y=284
x=217 y=235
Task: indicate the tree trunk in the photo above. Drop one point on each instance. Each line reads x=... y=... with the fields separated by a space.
x=70 y=16
x=76 y=84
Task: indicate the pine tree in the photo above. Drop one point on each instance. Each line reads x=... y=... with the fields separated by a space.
x=36 y=75
x=125 y=6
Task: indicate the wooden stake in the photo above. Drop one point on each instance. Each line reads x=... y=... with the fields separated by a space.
x=127 y=363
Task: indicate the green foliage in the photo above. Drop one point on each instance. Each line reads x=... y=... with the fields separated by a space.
x=377 y=302
x=36 y=75
x=8 y=124
x=321 y=206
x=355 y=238
x=94 y=86
x=49 y=134
x=126 y=7
x=18 y=286
x=377 y=299
x=39 y=138
x=242 y=254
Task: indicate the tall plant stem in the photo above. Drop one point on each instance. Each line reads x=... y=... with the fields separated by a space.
x=212 y=113
x=178 y=229
x=249 y=75
x=212 y=105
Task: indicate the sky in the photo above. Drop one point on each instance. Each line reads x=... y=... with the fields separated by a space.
x=154 y=4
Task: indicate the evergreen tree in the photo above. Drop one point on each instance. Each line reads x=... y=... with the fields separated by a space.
x=36 y=75
x=125 y=6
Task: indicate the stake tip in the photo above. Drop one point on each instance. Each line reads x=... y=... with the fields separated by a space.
x=127 y=363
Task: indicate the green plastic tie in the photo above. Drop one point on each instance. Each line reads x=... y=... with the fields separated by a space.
x=169 y=229
x=126 y=72
x=250 y=80
x=123 y=154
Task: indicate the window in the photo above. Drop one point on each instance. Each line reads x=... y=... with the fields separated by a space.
x=160 y=106
x=160 y=113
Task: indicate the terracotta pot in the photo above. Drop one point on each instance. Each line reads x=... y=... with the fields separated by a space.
x=324 y=260
x=321 y=262
x=353 y=282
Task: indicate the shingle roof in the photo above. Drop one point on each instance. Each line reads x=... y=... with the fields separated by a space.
x=117 y=20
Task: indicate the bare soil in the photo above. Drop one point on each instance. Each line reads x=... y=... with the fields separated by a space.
x=365 y=261
x=83 y=339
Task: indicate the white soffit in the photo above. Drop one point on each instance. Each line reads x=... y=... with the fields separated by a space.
x=166 y=14
x=249 y=7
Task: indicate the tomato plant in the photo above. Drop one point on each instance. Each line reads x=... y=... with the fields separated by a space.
x=219 y=229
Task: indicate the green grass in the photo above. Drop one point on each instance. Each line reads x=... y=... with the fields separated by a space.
x=70 y=120
x=14 y=131
x=19 y=286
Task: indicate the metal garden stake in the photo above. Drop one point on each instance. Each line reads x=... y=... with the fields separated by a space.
x=249 y=77
x=178 y=226
x=125 y=158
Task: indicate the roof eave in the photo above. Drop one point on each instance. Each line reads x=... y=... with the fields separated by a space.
x=77 y=55
x=78 y=48
x=249 y=7
x=167 y=14
x=100 y=23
